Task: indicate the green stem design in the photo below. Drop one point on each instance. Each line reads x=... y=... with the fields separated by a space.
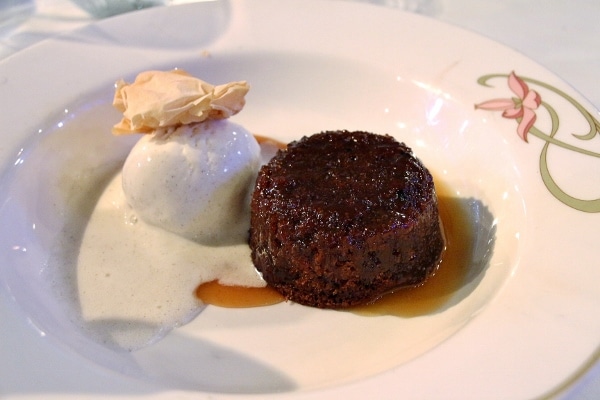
x=591 y=206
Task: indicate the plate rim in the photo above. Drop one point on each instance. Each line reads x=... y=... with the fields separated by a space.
x=28 y=53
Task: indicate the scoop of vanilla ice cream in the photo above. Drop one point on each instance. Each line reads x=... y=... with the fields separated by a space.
x=195 y=180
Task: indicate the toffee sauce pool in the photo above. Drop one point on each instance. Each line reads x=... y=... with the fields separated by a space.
x=403 y=302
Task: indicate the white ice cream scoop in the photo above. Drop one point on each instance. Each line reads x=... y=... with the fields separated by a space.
x=195 y=180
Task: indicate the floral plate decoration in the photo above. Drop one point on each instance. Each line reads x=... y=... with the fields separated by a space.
x=524 y=107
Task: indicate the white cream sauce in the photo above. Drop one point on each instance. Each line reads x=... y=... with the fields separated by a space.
x=136 y=281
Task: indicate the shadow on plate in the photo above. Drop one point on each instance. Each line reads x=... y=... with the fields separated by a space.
x=207 y=367
x=55 y=372
x=181 y=362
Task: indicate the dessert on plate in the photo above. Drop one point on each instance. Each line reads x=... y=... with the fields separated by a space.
x=193 y=171
x=334 y=220
x=176 y=215
x=340 y=218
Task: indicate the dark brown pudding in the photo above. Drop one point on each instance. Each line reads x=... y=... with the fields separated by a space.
x=340 y=218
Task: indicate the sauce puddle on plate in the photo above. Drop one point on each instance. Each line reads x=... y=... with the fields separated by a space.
x=448 y=278
x=215 y=294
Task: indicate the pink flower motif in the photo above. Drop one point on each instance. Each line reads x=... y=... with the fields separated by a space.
x=521 y=107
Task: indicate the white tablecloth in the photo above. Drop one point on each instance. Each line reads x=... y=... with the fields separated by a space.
x=562 y=35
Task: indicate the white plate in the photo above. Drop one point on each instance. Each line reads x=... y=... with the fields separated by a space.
x=523 y=324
